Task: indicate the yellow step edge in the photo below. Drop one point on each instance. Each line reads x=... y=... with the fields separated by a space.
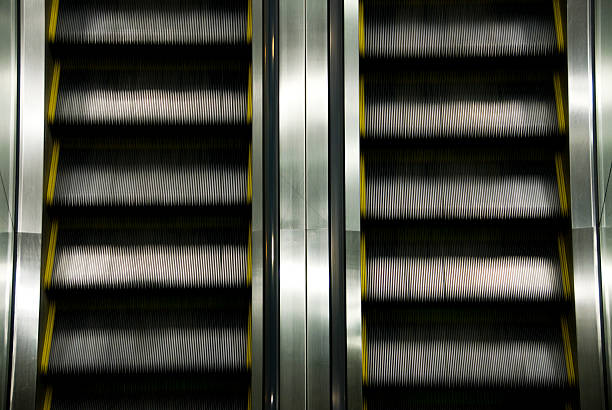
x=52 y=172
x=48 y=398
x=249 y=33
x=361 y=107
x=362 y=186
x=569 y=361
x=363 y=267
x=250 y=175
x=248 y=358
x=564 y=267
x=361 y=30
x=250 y=96
x=53 y=20
x=364 y=352
x=365 y=404
x=561 y=184
x=44 y=363
x=249 y=257
x=50 y=256
x=559 y=26
x=53 y=92
x=560 y=104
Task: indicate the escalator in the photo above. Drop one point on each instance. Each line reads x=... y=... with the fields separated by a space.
x=147 y=270
x=466 y=286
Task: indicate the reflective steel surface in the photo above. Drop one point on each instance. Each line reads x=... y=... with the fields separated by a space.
x=351 y=175
x=29 y=203
x=292 y=129
x=584 y=204
x=603 y=115
x=257 y=256
x=317 y=226
x=8 y=137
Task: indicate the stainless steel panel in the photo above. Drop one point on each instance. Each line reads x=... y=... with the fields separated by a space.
x=580 y=95
x=292 y=319
x=352 y=211
x=588 y=331
x=317 y=339
x=317 y=234
x=353 y=321
x=292 y=116
x=584 y=204
x=603 y=107
x=24 y=371
x=30 y=205
x=8 y=139
x=257 y=211
x=8 y=103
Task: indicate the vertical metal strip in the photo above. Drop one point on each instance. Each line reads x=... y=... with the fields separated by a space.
x=584 y=204
x=292 y=165
x=257 y=198
x=352 y=202
x=337 y=205
x=317 y=208
x=32 y=115
x=270 y=211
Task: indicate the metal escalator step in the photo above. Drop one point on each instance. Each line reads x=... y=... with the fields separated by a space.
x=152 y=96
x=401 y=353
x=454 y=105
x=152 y=22
x=403 y=186
x=439 y=29
x=156 y=403
x=148 y=341
x=420 y=267
x=152 y=177
x=149 y=259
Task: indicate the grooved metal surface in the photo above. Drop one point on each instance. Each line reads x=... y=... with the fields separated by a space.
x=86 y=342
x=159 y=22
x=150 y=403
x=470 y=29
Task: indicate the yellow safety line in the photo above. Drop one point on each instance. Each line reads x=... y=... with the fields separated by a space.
x=249 y=258
x=363 y=267
x=365 y=404
x=249 y=341
x=50 y=256
x=362 y=187
x=364 y=352
x=53 y=95
x=44 y=365
x=53 y=20
x=569 y=362
x=564 y=267
x=250 y=96
x=561 y=184
x=48 y=397
x=361 y=107
x=559 y=26
x=568 y=406
x=52 y=173
x=361 y=30
x=560 y=103
x=250 y=175
x=249 y=23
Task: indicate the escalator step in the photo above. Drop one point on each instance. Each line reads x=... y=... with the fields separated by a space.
x=442 y=29
x=152 y=96
x=404 y=186
x=450 y=105
x=419 y=268
x=464 y=355
x=147 y=341
x=149 y=259
x=163 y=403
x=152 y=22
x=182 y=176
